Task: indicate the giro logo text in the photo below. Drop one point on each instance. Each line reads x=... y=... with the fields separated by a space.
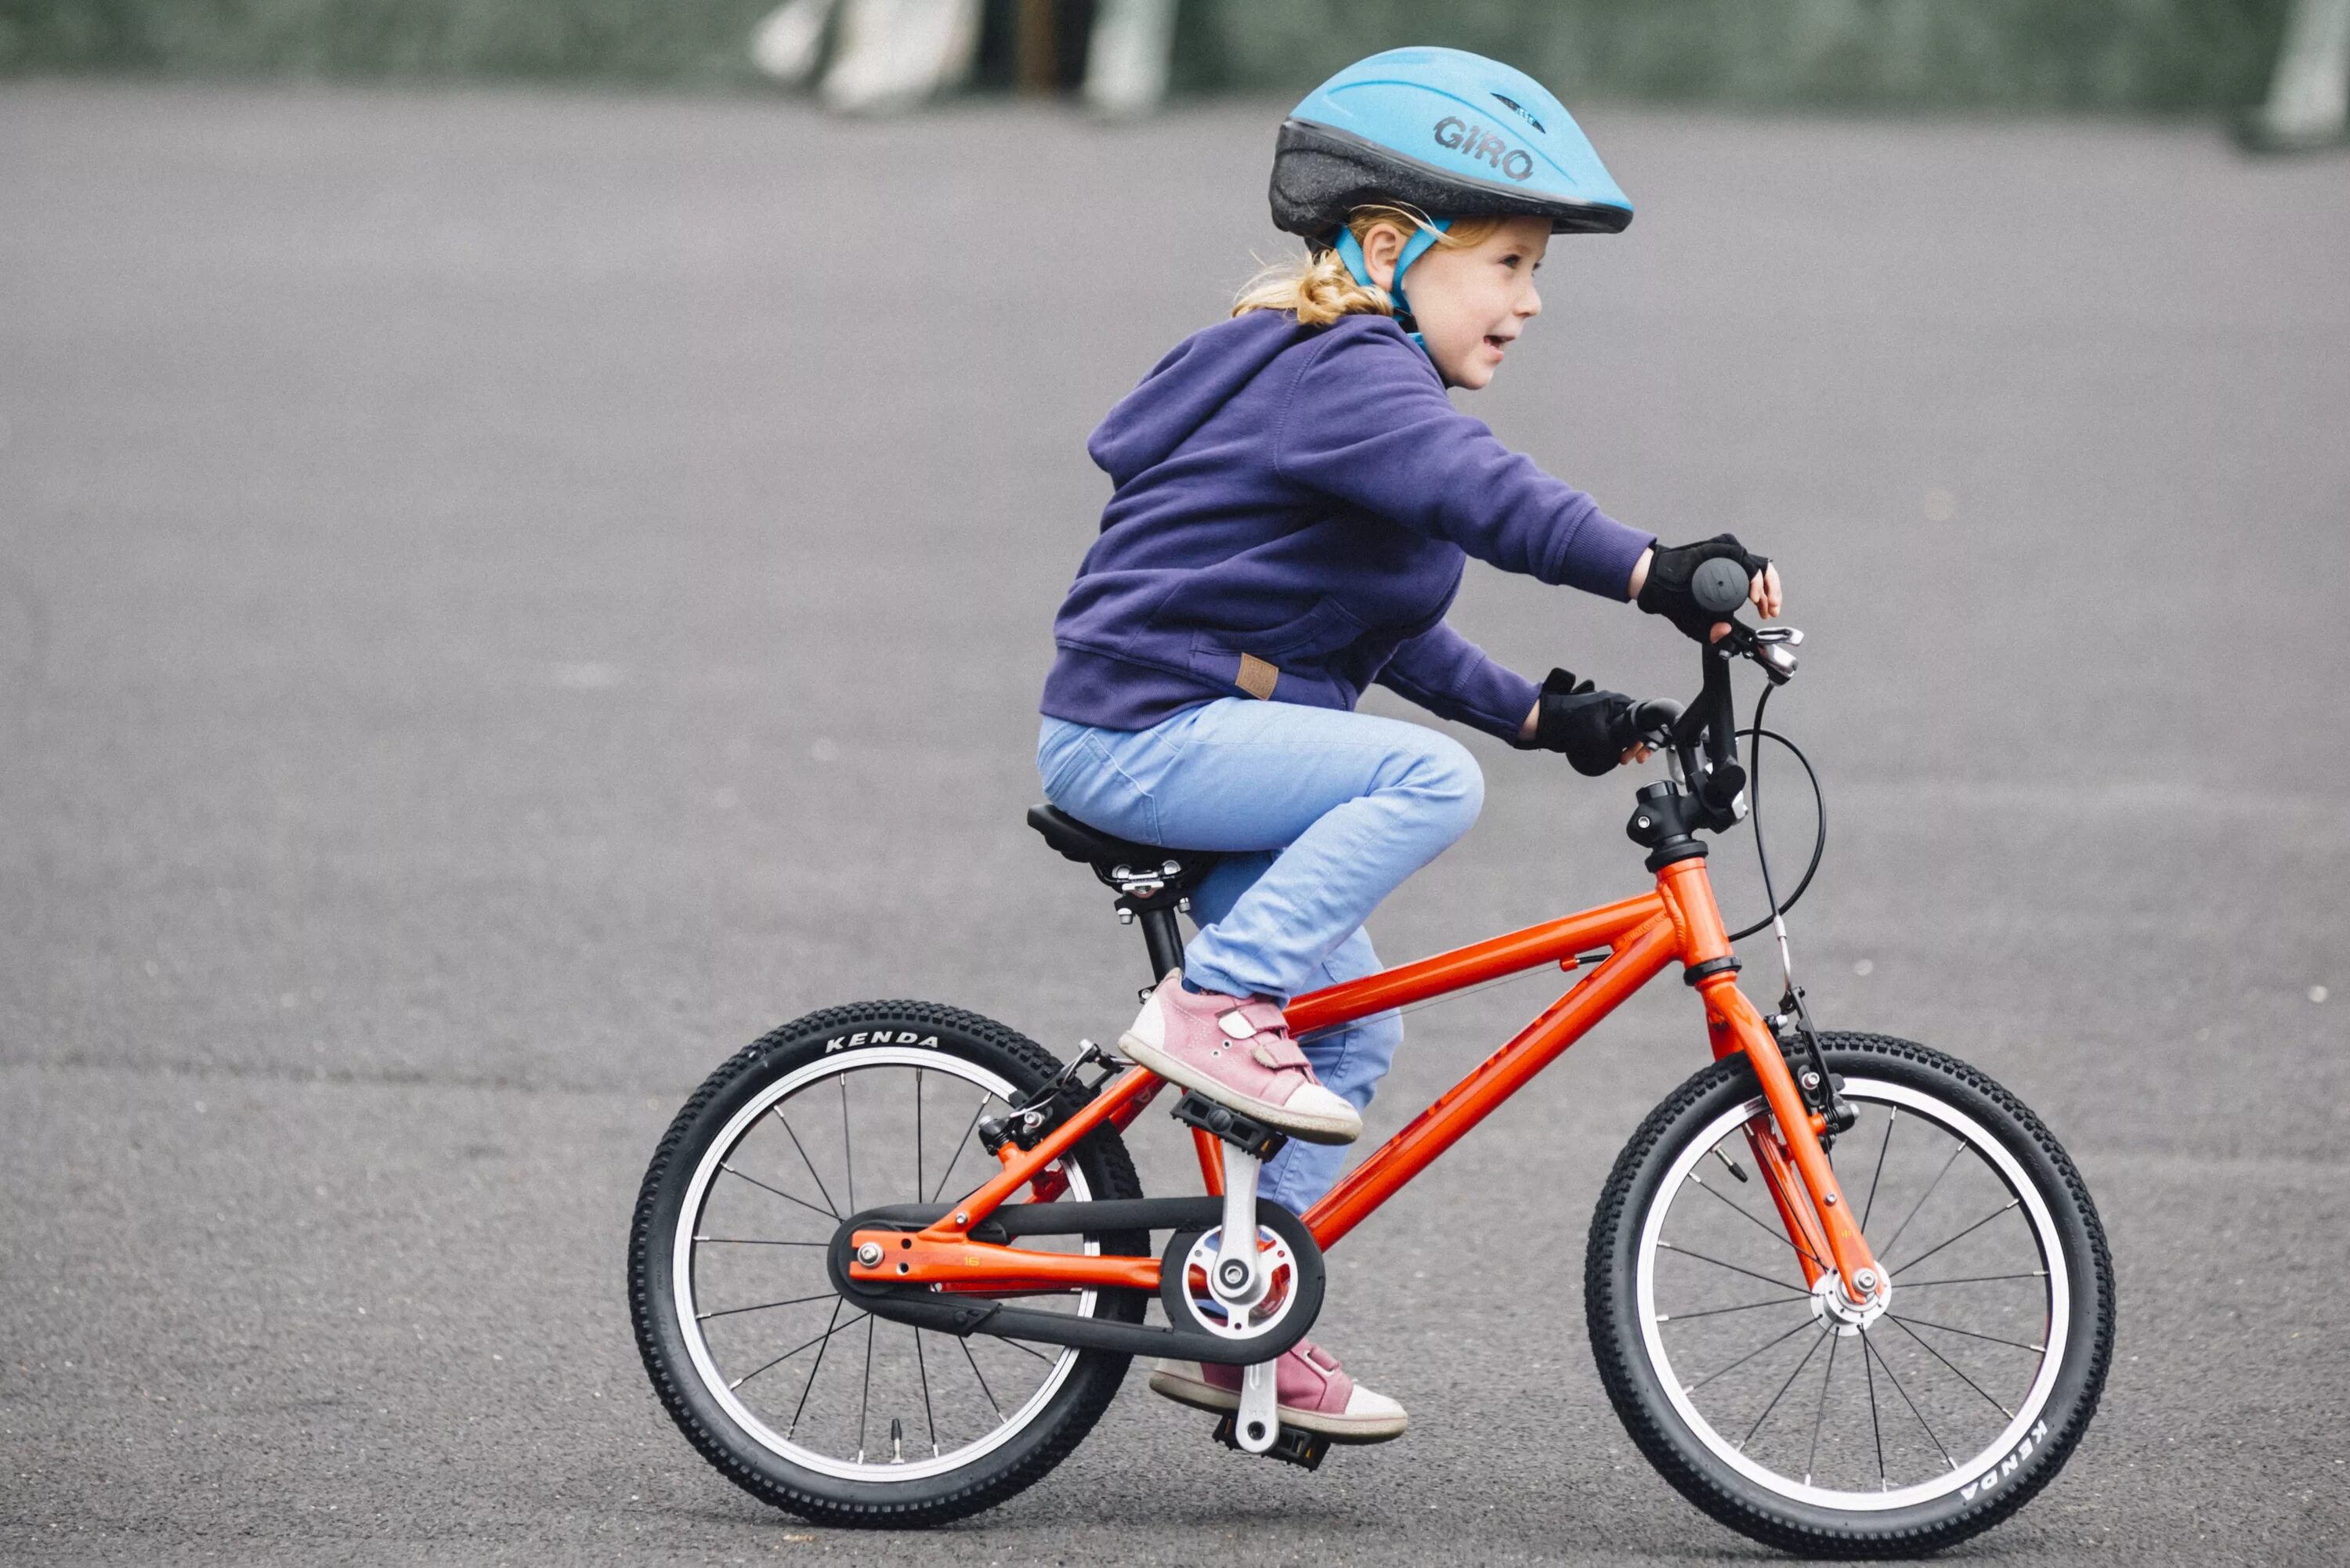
x=1478 y=143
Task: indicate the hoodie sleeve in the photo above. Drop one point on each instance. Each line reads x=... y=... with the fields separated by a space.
x=1454 y=677
x=1368 y=422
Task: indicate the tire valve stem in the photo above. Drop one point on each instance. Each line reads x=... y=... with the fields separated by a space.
x=1732 y=1165
x=897 y=1441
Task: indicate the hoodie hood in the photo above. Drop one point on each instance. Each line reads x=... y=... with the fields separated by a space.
x=1183 y=392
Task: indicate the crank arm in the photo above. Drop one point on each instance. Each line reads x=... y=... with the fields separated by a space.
x=1260 y=1413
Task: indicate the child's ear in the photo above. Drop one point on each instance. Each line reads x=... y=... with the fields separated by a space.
x=1381 y=247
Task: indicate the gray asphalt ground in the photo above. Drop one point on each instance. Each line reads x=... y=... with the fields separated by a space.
x=507 y=596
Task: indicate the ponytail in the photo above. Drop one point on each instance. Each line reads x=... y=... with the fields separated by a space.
x=1319 y=289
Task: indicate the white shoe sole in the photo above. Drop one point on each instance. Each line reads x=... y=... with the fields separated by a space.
x=1337 y=1428
x=1306 y=1125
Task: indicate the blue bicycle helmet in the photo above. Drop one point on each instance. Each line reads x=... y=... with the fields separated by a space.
x=1451 y=133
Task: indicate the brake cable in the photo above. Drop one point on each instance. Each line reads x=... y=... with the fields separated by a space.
x=1754 y=810
x=1792 y=1016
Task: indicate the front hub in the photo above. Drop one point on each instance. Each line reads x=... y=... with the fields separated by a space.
x=1833 y=1307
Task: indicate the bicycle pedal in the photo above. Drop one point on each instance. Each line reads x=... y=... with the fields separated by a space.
x=1243 y=1133
x=1291 y=1445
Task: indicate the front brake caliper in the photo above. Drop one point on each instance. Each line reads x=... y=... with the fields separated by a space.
x=1799 y=1041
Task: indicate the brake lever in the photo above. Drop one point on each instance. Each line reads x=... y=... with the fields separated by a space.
x=1770 y=647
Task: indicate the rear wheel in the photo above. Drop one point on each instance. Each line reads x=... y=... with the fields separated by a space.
x=792 y=1392
x=1790 y=1415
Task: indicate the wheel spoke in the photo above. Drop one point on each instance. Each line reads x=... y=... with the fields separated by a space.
x=1781 y=1394
x=1750 y=1356
x=978 y=1111
x=751 y=1241
x=763 y=1306
x=1954 y=1369
x=1875 y=1427
x=1974 y=1279
x=1970 y=1231
x=778 y=1191
x=930 y=1417
x=1733 y=1268
x=865 y=1405
x=1791 y=1298
x=1971 y=1334
x=918 y=1182
x=823 y=1342
x=1819 y=1414
x=830 y=1329
x=1779 y=1235
x=848 y=1151
x=778 y=1114
x=1878 y=1174
x=1957 y=1148
x=976 y=1372
x=1028 y=1349
x=1889 y=1377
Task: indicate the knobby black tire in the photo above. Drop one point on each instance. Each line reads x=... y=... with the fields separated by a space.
x=1610 y=1297
x=989 y=1480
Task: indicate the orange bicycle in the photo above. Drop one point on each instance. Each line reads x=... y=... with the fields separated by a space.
x=1848 y=1294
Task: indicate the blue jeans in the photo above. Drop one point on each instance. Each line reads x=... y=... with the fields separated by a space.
x=1319 y=813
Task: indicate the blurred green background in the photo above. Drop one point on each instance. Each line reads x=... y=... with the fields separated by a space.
x=2137 y=55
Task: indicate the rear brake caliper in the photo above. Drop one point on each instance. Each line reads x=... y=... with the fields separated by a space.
x=1037 y=1113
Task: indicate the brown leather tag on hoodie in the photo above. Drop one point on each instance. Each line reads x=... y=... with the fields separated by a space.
x=1257 y=677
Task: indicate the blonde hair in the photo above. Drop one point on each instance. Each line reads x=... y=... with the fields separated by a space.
x=1319 y=289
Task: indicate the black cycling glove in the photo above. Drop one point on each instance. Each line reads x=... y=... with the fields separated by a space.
x=1594 y=729
x=1667 y=590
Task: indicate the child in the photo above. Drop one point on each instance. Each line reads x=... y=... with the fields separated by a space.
x=1295 y=502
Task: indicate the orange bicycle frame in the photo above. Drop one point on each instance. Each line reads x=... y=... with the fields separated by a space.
x=1679 y=920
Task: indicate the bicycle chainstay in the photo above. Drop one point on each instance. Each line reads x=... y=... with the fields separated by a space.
x=963 y=1315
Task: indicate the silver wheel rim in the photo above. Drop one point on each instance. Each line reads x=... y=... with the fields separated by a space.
x=691 y=1313
x=1985 y=1465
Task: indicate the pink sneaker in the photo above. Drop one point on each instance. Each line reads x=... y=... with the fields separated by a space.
x=1313 y=1391
x=1238 y=1052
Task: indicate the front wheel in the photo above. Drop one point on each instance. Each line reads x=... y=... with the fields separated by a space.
x=788 y=1389
x=1792 y=1417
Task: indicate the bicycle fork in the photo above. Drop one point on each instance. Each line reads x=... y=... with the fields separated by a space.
x=1795 y=1167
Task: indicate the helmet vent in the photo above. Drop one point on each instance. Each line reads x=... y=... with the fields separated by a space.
x=1518 y=109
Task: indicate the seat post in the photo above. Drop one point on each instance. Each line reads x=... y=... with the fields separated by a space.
x=1165 y=939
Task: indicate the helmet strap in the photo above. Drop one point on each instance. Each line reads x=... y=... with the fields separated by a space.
x=1351 y=251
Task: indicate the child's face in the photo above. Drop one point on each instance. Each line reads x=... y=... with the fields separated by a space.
x=1470 y=302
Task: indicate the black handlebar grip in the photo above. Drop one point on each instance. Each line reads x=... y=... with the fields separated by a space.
x=1718 y=585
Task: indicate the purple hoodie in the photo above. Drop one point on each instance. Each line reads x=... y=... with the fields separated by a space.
x=1309 y=497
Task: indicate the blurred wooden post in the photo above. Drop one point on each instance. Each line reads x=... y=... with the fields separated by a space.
x=1038 y=46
